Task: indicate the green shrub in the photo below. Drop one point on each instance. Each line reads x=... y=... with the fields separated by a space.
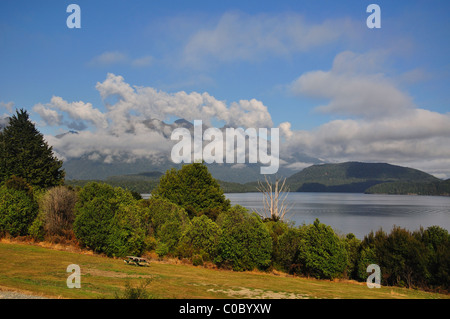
x=369 y=251
x=366 y=256
x=165 y=221
x=322 y=254
x=17 y=211
x=137 y=292
x=108 y=220
x=245 y=242
x=37 y=230
x=352 y=245
x=413 y=259
x=288 y=249
x=437 y=243
x=162 y=249
x=20 y=184
x=193 y=188
x=197 y=260
x=199 y=239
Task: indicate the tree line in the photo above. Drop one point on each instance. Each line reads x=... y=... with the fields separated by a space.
x=189 y=217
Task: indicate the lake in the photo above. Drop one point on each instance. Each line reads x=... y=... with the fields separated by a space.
x=359 y=213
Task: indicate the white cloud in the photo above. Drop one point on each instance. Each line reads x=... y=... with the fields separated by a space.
x=241 y=37
x=119 y=134
x=108 y=58
x=385 y=125
x=408 y=136
x=102 y=145
x=8 y=106
x=51 y=117
x=298 y=165
x=285 y=129
x=353 y=90
x=417 y=139
x=151 y=103
x=77 y=111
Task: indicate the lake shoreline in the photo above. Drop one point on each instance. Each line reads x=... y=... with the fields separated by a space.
x=358 y=213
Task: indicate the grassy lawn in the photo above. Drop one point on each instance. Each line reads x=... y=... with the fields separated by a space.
x=42 y=271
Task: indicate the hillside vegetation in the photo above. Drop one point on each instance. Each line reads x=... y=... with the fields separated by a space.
x=349 y=177
x=145 y=183
x=441 y=188
x=353 y=177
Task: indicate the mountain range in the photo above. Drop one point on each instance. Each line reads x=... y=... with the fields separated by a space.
x=96 y=167
x=349 y=177
x=354 y=177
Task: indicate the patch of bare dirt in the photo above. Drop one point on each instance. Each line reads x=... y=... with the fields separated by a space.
x=248 y=293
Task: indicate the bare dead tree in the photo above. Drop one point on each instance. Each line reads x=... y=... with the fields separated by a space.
x=274 y=197
x=58 y=205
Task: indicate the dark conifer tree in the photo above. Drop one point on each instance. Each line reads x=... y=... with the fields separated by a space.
x=24 y=153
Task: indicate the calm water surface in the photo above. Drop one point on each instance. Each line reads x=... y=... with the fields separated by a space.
x=359 y=213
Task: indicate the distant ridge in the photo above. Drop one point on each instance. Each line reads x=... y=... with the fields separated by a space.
x=348 y=177
x=436 y=188
x=353 y=177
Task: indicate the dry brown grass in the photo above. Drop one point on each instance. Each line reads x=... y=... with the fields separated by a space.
x=41 y=267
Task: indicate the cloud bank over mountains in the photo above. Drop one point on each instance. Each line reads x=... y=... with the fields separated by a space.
x=356 y=81
x=126 y=130
x=380 y=122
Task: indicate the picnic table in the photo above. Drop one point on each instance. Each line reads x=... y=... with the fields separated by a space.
x=138 y=261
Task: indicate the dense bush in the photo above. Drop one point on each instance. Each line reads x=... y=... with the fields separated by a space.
x=437 y=246
x=276 y=230
x=413 y=259
x=200 y=239
x=193 y=188
x=20 y=184
x=18 y=209
x=288 y=249
x=245 y=242
x=108 y=220
x=164 y=221
x=322 y=254
x=352 y=245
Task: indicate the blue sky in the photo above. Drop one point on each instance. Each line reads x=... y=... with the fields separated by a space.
x=339 y=90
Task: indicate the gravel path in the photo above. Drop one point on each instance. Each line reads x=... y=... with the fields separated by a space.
x=4 y=294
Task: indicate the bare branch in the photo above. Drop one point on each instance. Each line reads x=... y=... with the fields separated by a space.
x=274 y=197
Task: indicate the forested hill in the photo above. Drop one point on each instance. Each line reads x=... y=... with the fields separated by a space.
x=144 y=183
x=441 y=188
x=353 y=177
x=349 y=177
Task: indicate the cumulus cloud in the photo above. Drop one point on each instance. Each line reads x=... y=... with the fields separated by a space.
x=384 y=125
x=352 y=89
x=123 y=132
x=49 y=116
x=151 y=103
x=417 y=134
x=77 y=112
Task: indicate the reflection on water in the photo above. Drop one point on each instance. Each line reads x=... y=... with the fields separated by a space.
x=359 y=213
